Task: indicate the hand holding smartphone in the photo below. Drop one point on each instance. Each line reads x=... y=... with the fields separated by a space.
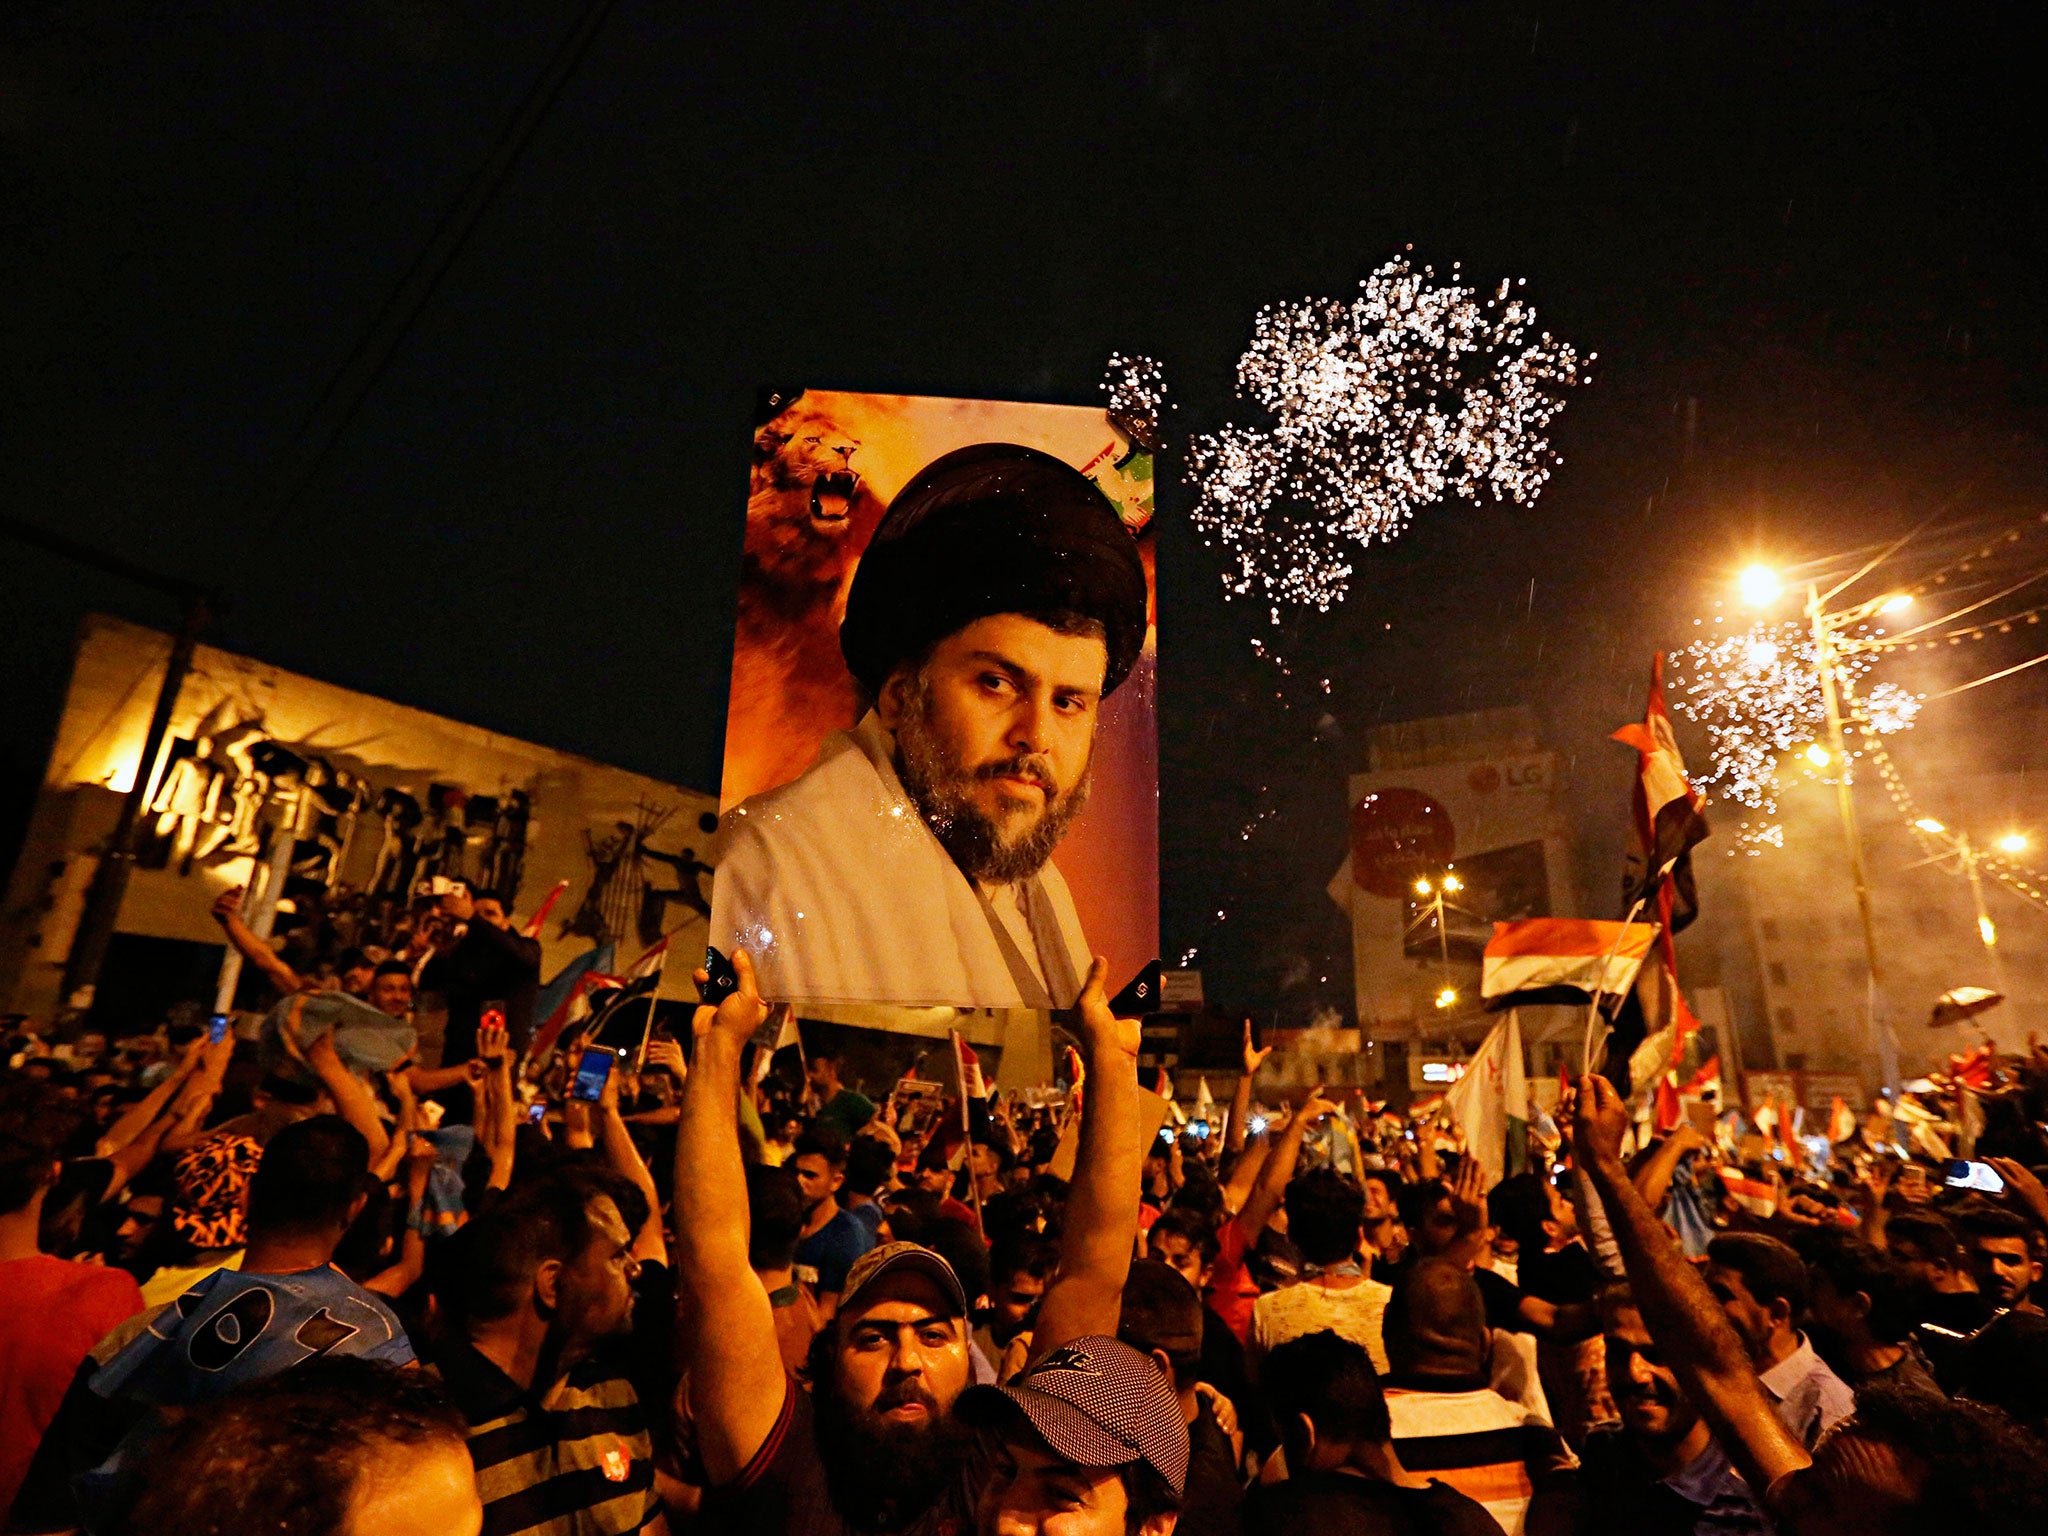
x=720 y=979
x=592 y=1072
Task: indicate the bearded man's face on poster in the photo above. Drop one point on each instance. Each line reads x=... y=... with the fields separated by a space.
x=995 y=734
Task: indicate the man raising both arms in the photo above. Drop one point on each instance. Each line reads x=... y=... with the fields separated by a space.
x=874 y=1447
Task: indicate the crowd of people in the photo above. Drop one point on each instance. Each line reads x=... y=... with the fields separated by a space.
x=256 y=1284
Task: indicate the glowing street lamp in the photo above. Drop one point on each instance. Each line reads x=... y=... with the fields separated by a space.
x=1817 y=755
x=1447 y=998
x=1929 y=825
x=2013 y=842
x=1760 y=586
x=1898 y=602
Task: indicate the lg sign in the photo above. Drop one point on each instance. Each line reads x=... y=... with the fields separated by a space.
x=1396 y=836
x=1526 y=773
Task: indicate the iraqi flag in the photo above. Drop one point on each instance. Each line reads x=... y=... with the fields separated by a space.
x=1490 y=1103
x=1757 y=1197
x=1671 y=816
x=618 y=1017
x=1561 y=960
x=563 y=994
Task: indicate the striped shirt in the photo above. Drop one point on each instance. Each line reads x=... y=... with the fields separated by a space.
x=579 y=1463
x=1488 y=1448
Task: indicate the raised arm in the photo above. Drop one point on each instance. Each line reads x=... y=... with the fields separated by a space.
x=141 y=1115
x=498 y=1124
x=737 y=1382
x=227 y=911
x=1241 y=1101
x=1653 y=1179
x=351 y=1095
x=194 y=1102
x=626 y=1162
x=1086 y=1296
x=1687 y=1322
x=1266 y=1195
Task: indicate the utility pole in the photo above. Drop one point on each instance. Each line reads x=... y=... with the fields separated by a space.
x=1826 y=658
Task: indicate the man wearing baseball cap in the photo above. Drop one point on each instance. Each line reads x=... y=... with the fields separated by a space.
x=874 y=1447
x=1091 y=1433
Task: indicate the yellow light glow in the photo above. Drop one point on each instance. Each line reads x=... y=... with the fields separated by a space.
x=1759 y=585
x=1447 y=997
x=1898 y=602
x=2013 y=842
x=1817 y=755
x=1929 y=824
x=1986 y=932
x=1453 y=883
x=1422 y=887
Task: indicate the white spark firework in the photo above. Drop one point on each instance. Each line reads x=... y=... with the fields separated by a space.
x=1415 y=390
x=1136 y=387
x=1758 y=695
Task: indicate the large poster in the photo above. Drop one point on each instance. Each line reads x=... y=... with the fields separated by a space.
x=380 y=797
x=941 y=762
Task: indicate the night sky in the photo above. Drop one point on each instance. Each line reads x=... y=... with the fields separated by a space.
x=1820 y=223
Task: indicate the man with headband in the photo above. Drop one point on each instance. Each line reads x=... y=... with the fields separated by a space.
x=999 y=602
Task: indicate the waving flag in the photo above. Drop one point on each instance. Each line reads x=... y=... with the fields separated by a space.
x=540 y=915
x=1561 y=960
x=1490 y=1103
x=560 y=997
x=1671 y=816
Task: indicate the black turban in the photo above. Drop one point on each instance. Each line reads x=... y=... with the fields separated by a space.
x=995 y=528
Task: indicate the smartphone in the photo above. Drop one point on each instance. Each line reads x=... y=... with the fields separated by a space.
x=493 y=1016
x=217 y=1029
x=1977 y=1176
x=1140 y=997
x=537 y=1111
x=1199 y=1129
x=720 y=979
x=1257 y=1125
x=592 y=1072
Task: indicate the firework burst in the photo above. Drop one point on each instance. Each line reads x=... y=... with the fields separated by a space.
x=1757 y=693
x=1416 y=390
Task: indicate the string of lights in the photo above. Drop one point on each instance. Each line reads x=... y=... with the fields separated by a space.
x=2029 y=884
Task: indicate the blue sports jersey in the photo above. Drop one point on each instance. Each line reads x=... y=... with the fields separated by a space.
x=230 y=1329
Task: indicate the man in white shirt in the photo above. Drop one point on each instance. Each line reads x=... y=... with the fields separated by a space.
x=1000 y=601
x=1761 y=1285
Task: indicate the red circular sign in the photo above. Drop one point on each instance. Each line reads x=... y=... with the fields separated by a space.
x=1397 y=836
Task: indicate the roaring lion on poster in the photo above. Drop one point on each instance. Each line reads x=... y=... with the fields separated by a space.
x=809 y=515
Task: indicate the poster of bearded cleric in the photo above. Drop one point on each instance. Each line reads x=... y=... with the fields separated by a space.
x=941 y=760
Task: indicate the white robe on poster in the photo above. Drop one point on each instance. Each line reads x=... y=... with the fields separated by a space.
x=839 y=892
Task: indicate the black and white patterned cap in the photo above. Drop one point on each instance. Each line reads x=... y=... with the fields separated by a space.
x=1098 y=1403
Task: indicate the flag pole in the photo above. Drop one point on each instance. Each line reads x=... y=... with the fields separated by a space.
x=1593 y=1008
x=966 y=1124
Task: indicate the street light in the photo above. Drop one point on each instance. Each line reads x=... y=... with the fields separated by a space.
x=1817 y=755
x=1760 y=586
x=1968 y=856
x=1898 y=602
x=2013 y=842
x=1433 y=894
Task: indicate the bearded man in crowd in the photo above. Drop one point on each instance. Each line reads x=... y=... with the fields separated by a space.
x=999 y=603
